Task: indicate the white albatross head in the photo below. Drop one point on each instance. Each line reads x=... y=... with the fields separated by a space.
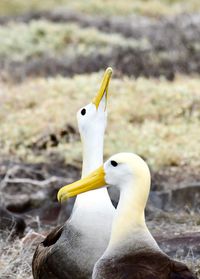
x=127 y=171
x=92 y=118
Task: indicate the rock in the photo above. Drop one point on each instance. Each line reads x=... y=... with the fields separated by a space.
x=53 y=213
x=184 y=198
x=159 y=199
x=187 y=198
x=17 y=203
x=21 y=194
x=32 y=237
x=47 y=214
x=22 y=171
x=12 y=223
x=181 y=245
x=39 y=198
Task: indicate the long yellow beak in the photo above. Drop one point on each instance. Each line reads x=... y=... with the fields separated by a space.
x=93 y=181
x=104 y=88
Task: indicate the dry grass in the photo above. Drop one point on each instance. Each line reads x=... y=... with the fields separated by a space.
x=152 y=8
x=110 y=7
x=15 y=259
x=16 y=255
x=155 y=118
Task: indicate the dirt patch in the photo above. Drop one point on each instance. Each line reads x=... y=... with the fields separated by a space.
x=175 y=177
x=30 y=189
x=66 y=134
x=52 y=66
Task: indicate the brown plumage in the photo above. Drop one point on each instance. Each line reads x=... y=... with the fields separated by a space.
x=49 y=260
x=142 y=265
x=40 y=266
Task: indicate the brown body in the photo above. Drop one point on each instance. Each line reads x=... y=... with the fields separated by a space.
x=41 y=266
x=49 y=260
x=142 y=265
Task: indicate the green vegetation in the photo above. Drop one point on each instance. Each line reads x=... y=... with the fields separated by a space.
x=144 y=7
x=15 y=7
x=42 y=37
x=160 y=119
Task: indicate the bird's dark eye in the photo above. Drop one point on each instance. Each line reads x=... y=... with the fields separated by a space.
x=83 y=111
x=114 y=163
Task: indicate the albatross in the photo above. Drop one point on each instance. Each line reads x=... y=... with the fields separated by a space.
x=132 y=252
x=70 y=251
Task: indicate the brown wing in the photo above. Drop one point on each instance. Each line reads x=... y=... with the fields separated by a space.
x=143 y=265
x=180 y=271
x=51 y=260
x=41 y=254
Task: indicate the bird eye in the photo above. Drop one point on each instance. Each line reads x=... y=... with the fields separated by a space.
x=83 y=111
x=114 y=163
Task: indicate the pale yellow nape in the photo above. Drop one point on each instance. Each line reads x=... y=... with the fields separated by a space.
x=129 y=217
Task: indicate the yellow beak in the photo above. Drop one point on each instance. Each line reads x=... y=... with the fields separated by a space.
x=93 y=181
x=104 y=88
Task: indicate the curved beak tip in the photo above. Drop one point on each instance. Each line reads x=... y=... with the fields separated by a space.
x=60 y=197
x=104 y=87
x=109 y=71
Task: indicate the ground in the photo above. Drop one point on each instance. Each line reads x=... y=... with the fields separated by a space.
x=52 y=57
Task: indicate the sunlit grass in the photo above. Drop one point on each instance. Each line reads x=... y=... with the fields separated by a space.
x=14 y=7
x=22 y=41
x=110 y=7
x=155 y=118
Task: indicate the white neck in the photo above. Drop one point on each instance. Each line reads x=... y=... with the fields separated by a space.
x=129 y=222
x=92 y=153
x=92 y=159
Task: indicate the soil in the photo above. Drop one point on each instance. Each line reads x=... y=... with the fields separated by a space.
x=30 y=189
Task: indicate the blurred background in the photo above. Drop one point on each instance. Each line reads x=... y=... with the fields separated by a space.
x=52 y=57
